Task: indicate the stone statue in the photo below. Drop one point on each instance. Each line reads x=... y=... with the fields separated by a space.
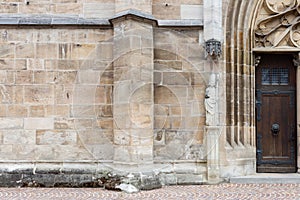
x=211 y=105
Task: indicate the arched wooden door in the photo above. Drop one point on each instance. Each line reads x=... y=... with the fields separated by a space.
x=276 y=113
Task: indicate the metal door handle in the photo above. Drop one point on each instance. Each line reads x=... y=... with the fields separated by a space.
x=275 y=129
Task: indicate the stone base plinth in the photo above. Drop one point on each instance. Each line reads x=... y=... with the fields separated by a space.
x=212 y=144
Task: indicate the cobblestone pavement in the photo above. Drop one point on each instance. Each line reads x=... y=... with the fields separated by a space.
x=221 y=191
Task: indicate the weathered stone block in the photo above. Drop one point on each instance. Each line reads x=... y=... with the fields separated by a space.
x=38 y=123
x=191 y=11
x=9 y=64
x=161 y=11
x=105 y=51
x=25 y=50
x=24 y=151
x=65 y=77
x=104 y=111
x=9 y=8
x=20 y=64
x=98 y=10
x=122 y=122
x=81 y=124
x=105 y=123
x=42 y=94
x=62 y=123
x=7 y=51
x=88 y=77
x=144 y=5
x=17 y=111
x=102 y=151
x=11 y=123
x=107 y=77
x=82 y=51
x=150 y=182
x=84 y=95
x=190 y=179
x=176 y=78
x=168 y=179
x=24 y=77
x=163 y=95
x=35 y=8
x=92 y=136
x=72 y=152
x=161 y=122
x=122 y=137
x=60 y=137
x=46 y=51
x=3 y=110
x=10 y=180
x=45 y=152
x=43 y=77
x=58 y=111
x=19 y=137
x=167 y=65
x=64 y=64
x=37 y=111
x=85 y=111
x=35 y=64
x=71 y=8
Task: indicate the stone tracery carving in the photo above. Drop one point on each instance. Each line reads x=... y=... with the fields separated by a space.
x=281 y=26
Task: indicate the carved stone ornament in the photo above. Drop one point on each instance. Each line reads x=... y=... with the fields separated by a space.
x=278 y=24
x=296 y=60
x=257 y=60
x=213 y=48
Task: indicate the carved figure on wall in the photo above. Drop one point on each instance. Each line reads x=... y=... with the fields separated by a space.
x=296 y=60
x=211 y=104
x=280 y=27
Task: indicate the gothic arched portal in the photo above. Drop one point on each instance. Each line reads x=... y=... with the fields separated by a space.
x=254 y=28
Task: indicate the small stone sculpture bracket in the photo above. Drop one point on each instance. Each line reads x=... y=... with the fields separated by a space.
x=213 y=48
x=296 y=60
x=257 y=60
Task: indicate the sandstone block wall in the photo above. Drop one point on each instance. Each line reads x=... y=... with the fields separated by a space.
x=177 y=9
x=161 y=9
x=114 y=85
x=179 y=87
x=56 y=94
x=81 y=8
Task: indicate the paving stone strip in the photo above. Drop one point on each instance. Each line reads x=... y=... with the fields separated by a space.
x=221 y=191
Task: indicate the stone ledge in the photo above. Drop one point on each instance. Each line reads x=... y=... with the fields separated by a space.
x=133 y=13
x=266 y=178
x=52 y=20
x=181 y=23
x=106 y=180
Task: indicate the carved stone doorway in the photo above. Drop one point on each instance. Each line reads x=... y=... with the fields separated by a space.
x=276 y=113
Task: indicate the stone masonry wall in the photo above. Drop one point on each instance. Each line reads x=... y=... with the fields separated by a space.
x=161 y=9
x=177 y=9
x=81 y=8
x=180 y=82
x=55 y=94
x=92 y=88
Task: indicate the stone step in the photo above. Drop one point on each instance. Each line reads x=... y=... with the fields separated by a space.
x=267 y=178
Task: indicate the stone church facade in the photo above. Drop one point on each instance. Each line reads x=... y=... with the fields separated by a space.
x=173 y=91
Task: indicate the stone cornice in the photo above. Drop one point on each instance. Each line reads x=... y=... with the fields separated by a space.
x=134 y=14
x=181 y=23
x=48 y=20
x=67 y=20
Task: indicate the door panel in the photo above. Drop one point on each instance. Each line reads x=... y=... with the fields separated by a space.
x=275 y=114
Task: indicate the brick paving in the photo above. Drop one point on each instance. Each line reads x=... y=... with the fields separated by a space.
x=221 y=191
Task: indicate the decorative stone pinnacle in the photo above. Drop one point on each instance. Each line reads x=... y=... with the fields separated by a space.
x=213 y=48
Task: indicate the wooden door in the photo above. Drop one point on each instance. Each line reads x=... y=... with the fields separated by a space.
x=276 y=113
